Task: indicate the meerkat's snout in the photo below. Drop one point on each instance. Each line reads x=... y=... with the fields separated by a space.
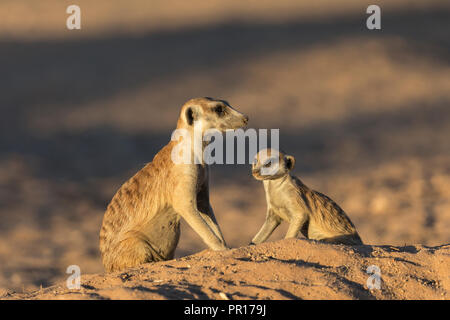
x=245 y=119
x=226 y=116
x=233 y=119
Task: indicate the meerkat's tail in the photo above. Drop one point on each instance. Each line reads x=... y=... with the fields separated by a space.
x=348 y=239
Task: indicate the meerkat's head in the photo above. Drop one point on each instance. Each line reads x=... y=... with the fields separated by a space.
x=270 y=164
x=208 y=113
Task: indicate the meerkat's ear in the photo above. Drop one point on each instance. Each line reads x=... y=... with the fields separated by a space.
x=190 y=115
x=290 y=162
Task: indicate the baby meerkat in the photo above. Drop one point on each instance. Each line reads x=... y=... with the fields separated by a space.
x=142 y=222
x=288 y=199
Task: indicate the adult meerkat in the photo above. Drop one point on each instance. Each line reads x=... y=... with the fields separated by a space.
x=142 y=222
x=307 y=211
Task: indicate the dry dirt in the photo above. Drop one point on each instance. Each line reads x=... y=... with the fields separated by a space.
x=365 y=113
x=286 y=269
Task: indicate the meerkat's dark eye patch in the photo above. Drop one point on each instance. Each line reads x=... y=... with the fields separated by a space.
x=220 y=110
x=267 y=164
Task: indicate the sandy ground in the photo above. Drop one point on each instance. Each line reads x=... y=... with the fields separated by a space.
x=366 y=114
x=286 y=269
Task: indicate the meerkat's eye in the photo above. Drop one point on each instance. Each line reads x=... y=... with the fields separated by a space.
x=268 y=164
x=220 y=110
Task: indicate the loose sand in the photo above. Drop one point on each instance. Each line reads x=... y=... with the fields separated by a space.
x=286 y=269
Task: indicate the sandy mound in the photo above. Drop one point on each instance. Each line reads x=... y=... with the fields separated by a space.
x=287 y=269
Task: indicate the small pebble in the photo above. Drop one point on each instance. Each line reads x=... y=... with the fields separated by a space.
x=224 y=296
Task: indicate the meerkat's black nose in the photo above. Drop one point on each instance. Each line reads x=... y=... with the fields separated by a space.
x=245 y=119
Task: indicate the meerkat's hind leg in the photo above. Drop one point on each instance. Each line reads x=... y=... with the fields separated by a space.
x=129 y=252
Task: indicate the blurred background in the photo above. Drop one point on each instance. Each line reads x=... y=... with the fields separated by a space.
x=365 y=113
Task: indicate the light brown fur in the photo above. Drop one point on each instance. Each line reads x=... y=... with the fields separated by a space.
x=142 y=222
x=307 y=211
